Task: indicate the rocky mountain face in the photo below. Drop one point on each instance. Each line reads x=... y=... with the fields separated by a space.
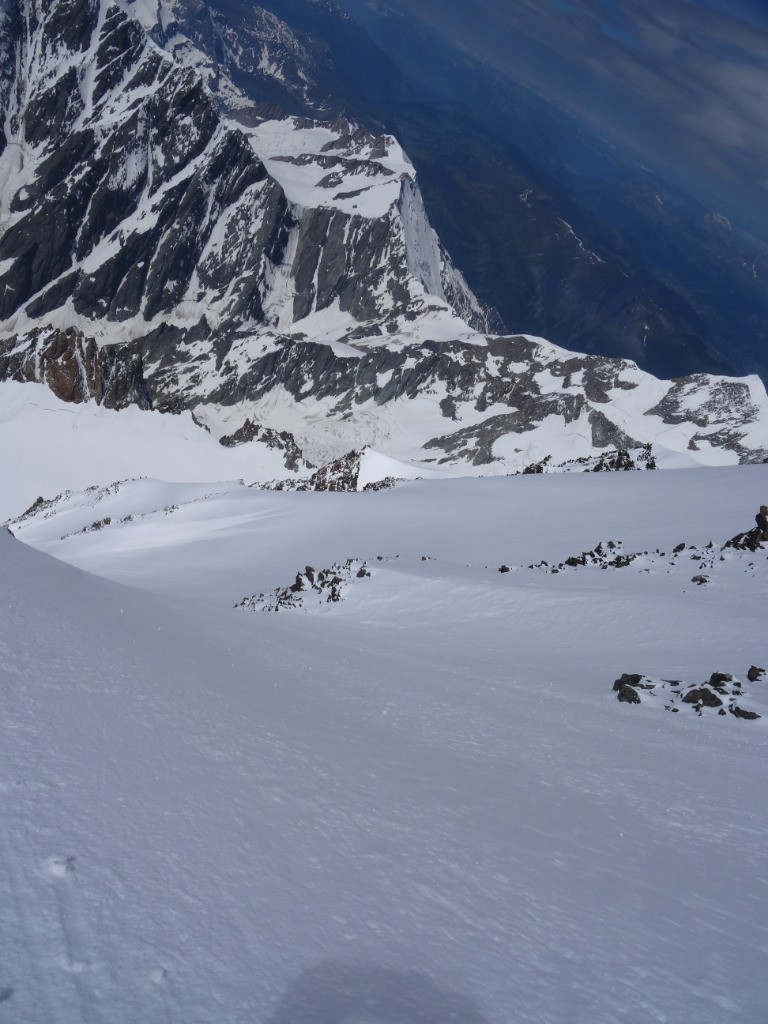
x=678 y=287
x=165 y=241
x=255 y=64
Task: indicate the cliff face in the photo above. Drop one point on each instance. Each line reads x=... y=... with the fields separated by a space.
x=129 y=200
x=154 y=250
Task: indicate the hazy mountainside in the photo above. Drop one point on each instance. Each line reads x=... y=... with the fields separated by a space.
x=567 y=236
x=163 y=244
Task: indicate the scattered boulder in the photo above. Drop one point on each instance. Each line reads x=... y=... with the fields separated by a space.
x=704 y=697
x=628 y=679
x=720 y=694
x=629 y=695
x=324 y=587
x=738 y=712
x=718 y=678
x=606 y=555
x=755 y=673
x=752 y=540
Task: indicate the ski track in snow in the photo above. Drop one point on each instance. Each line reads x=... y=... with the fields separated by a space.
x=423 y=803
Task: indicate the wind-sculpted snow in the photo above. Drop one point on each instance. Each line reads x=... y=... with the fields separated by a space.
x=424 y=801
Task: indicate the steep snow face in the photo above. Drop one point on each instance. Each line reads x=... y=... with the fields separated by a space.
x=422 y=802
x=332 y=166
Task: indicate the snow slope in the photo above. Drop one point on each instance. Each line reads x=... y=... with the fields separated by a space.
x=422 y=803
x=47 y=446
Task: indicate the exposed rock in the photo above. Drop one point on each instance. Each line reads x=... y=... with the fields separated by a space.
x=340 y=475
x=603 y=556
x=751 y=540
x=381 y=485
x=629 y=695
x=282 y=440
x=755 y=673
x=677 y=695
x=703 y=696
x=741 y=713
x=76 y=369
x=719 y=678
x=325 y=586
x=628 y=679
x=538 y=467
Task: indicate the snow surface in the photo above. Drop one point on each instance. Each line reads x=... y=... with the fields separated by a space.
x=423 y=803
x=366 y=185
x=47 y=446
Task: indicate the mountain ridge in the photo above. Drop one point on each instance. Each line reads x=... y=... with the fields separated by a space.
x=155 y=252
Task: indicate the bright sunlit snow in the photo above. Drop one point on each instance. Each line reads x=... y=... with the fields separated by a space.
x=48 y=445
x=420 y=803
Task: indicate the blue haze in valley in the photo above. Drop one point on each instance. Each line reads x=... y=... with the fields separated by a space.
x=681 y=84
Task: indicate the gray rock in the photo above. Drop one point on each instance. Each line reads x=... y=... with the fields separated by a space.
x=702 y=697
x=629 y=695
x=738 y=712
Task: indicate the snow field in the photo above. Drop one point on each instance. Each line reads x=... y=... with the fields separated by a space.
x=421 y=803
x=49 y=446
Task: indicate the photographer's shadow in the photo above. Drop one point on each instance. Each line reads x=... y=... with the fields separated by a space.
x=333 y=993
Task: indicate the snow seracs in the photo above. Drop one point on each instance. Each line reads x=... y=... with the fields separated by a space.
x=154 y=251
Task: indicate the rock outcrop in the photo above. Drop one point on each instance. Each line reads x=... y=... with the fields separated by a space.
x=718 y=695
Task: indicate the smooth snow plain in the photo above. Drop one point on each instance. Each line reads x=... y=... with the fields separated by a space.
x=419 y=805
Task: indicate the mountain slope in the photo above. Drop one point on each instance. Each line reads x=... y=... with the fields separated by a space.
x=421 y=802
x=155 y=251
x=512 y=105
x=161 y=205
